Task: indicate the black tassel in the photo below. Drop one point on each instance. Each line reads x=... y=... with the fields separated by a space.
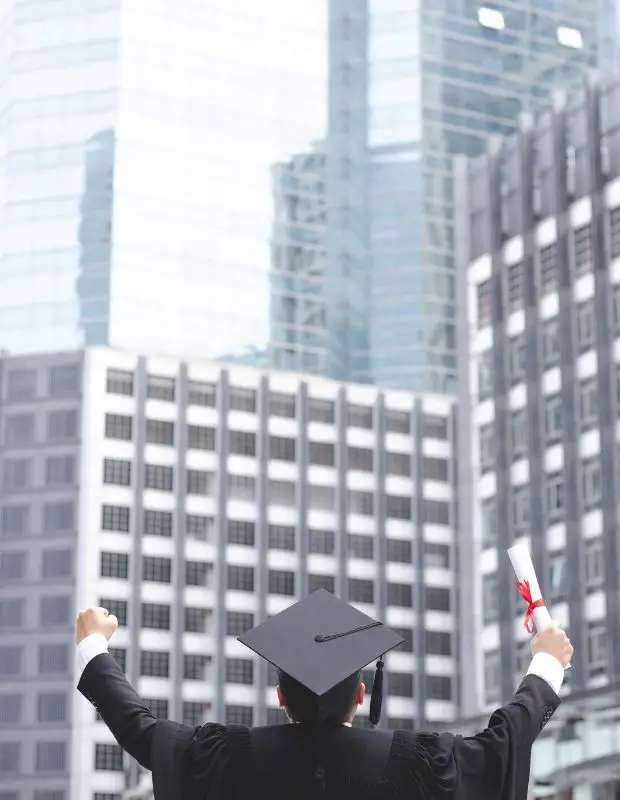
x=376 y=698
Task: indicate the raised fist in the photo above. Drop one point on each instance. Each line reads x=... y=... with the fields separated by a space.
x=555 y=642
x=95 y=620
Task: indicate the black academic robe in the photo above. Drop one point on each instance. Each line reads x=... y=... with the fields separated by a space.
x=216 y=762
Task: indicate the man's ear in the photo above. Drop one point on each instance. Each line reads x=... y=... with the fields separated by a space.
x=281 y=699
x=361 y=694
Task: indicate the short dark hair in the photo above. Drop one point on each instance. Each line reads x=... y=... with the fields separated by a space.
x=306 y=708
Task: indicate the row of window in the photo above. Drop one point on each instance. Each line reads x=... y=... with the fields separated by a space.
x=49 y=707
x=18 y=519
x=49 y=757
x=280 y=405
x=59 y=471
x=54 y=564
x=20 y=429
x=24 y=384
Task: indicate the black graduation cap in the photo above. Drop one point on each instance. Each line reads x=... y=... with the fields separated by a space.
x=320 y=641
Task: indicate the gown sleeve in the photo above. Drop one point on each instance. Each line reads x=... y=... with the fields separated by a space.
x=494 y=764
x=213 y=760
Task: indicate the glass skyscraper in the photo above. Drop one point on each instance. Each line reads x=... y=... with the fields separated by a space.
x=136 y=142
x=411 y=84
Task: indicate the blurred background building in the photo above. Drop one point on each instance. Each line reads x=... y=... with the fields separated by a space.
x=193 y=499
x=539 y=233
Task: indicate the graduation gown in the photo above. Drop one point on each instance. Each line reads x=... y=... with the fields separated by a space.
x=216 y=762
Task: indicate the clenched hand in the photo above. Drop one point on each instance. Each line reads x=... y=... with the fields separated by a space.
x=95 y=620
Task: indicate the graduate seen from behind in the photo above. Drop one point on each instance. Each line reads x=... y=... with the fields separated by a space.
x=319 y=647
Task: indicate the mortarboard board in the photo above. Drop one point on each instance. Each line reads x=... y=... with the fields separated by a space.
x=320 y=641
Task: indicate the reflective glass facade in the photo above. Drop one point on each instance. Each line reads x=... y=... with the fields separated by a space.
x=136 y=146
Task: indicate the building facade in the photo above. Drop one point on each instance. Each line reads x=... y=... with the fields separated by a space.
x=207 y=496
x=539 y=238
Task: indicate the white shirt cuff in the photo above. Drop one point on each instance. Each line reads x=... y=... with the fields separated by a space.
x=548 y=668
x=91 y=646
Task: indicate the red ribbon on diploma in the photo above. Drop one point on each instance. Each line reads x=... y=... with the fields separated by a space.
x=523 y=587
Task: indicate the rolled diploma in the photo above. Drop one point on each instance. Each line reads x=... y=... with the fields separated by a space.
x=524 y=570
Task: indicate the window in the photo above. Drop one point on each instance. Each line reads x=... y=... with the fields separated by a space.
x=518 y=433
x=117 y=608
x=281 y=493
x=321 y=498
x=551 y=342
x=58 y=516
x=115 y=518
x=594 y=563
x=401 y=684
x=520 y=505
x=360 y=503
x=616 y=309
x=55 y=610
x=591 y=482
x=64 y=380
x=322 y=454
x=199 y=527
x=320 y=541
x=398 y=422
x=158 y=706
x=398 y=464
x=488 y=509
x=557 y=577
x=485 y=375
x=316 y=582
x=17 y=474
x=614 y=230
x=240 y=532
x=597 y=649
x=361 y=546
x=239 y=715
x=156 y=569
x=21 y=384
x=61 y=425
x=584 y=261
x=200 y=438
x=548 y=269
x=282 y=449
x=436 y=512
x=282 y=405
x=487 y=447
x=10 y=709
x=437 y=555
x=154 y=663
x=438 y=643
x=10 y=660
x=242 y=443
x=14 y=520
x=53 y=659
x=360 y=458
x=515 y=286
x=11 y=613
x=108 y=757
x=239 y=670
x=115 y=565
x=201 y=394
x=119 y=654
x=160 y=387
x=119 y=382
x=399 y=551
x=483 y=303
x=554 y=495
x=117 y=472
x=241 y=487
x=157 y=523
x=194 y=714
x=242 y=400
x=238 y=622
x=492 y=677
x=57 y=564
x=200 y=483
x=435 y=469
x=12 y=566
x=400 y=594
x=118 y=426
x=156 y=616
x=434 y=427
x=281 y=582
x=10 y=757
x=159 y=431
x=490 y=599
x=516 y=358
x=60 y=470
x=19 y=429
x=195 y=667
x=159 y=477
x=438 y=687
x=361 y=591
x=553 y=418
x=585 y=325
x=359 y=416
x=281 y=537
x=436 y=599
x=196 y=620
x=198 y=573
x=588 y=403
x=407 y=635
x=50 y=756
x=52 y=707
x=321 y=411
x=240 y=579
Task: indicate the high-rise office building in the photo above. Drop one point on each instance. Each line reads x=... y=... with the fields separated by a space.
x=193 y=499
x=539 y=248
x=136 y=141
x=411 y=85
